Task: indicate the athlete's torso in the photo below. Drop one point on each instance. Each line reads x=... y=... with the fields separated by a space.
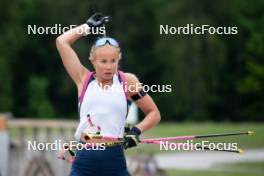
x=106 y=109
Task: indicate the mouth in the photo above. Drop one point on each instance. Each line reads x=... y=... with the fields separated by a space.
x=108 y=73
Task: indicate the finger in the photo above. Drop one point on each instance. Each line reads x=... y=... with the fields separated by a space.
x=98 y=16
x=106 y=19
x=134 y=140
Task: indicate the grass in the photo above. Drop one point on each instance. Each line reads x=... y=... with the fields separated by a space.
x=176 y=129
x=253 y=167
x=253 y=141
x=238 y=169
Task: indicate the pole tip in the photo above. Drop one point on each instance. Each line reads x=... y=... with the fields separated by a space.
x=240 y=151
x=250 y=132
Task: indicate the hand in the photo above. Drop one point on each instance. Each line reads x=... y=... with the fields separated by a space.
x=131 y=138
x=97 y=19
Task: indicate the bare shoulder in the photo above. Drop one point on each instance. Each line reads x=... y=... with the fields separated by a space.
x=131 y=78
x=132 y=83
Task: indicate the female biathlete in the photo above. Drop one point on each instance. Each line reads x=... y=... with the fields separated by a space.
x=98 y=107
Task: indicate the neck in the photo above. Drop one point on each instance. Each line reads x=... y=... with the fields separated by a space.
x=104 y=81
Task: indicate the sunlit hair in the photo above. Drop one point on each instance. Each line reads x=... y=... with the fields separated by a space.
x=101 y=42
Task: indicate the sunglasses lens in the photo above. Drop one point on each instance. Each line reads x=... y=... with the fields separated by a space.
x=104 y=41
x=113 y=42
x=100 y=42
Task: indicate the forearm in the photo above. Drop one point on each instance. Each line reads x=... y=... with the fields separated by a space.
x=151 y=119
x=70 y=36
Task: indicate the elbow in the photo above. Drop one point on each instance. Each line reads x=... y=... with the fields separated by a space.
x=158 y=116
x=59 y=41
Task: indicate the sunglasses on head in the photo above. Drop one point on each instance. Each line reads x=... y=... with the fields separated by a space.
x=106 y=40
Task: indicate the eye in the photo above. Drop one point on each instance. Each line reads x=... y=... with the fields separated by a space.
x=114 y=60
x=103 y=61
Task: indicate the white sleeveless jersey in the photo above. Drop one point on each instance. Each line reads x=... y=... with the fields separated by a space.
x=103 y=110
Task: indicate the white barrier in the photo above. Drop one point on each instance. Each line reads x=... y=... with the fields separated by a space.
x=4 y=143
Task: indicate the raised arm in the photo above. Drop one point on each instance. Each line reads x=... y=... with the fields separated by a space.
x=69 y=57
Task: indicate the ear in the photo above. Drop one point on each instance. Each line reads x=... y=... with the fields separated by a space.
x=90 y=57
x=92 y=60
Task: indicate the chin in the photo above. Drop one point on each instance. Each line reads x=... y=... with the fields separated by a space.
x=108 y=76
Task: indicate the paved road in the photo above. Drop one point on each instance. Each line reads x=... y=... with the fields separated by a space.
x=205 y=159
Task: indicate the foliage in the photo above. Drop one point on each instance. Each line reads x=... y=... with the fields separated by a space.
x=213 y=77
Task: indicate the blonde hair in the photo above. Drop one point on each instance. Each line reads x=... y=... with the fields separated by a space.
x=93 y=49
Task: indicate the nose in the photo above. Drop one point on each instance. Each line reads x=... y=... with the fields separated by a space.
x=108 y=66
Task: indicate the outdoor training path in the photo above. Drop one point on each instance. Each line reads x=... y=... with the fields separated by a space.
x=205 y=159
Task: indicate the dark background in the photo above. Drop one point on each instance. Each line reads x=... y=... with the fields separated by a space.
x=213 y=77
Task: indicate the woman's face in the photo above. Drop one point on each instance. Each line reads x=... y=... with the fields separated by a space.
x=105 y=61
